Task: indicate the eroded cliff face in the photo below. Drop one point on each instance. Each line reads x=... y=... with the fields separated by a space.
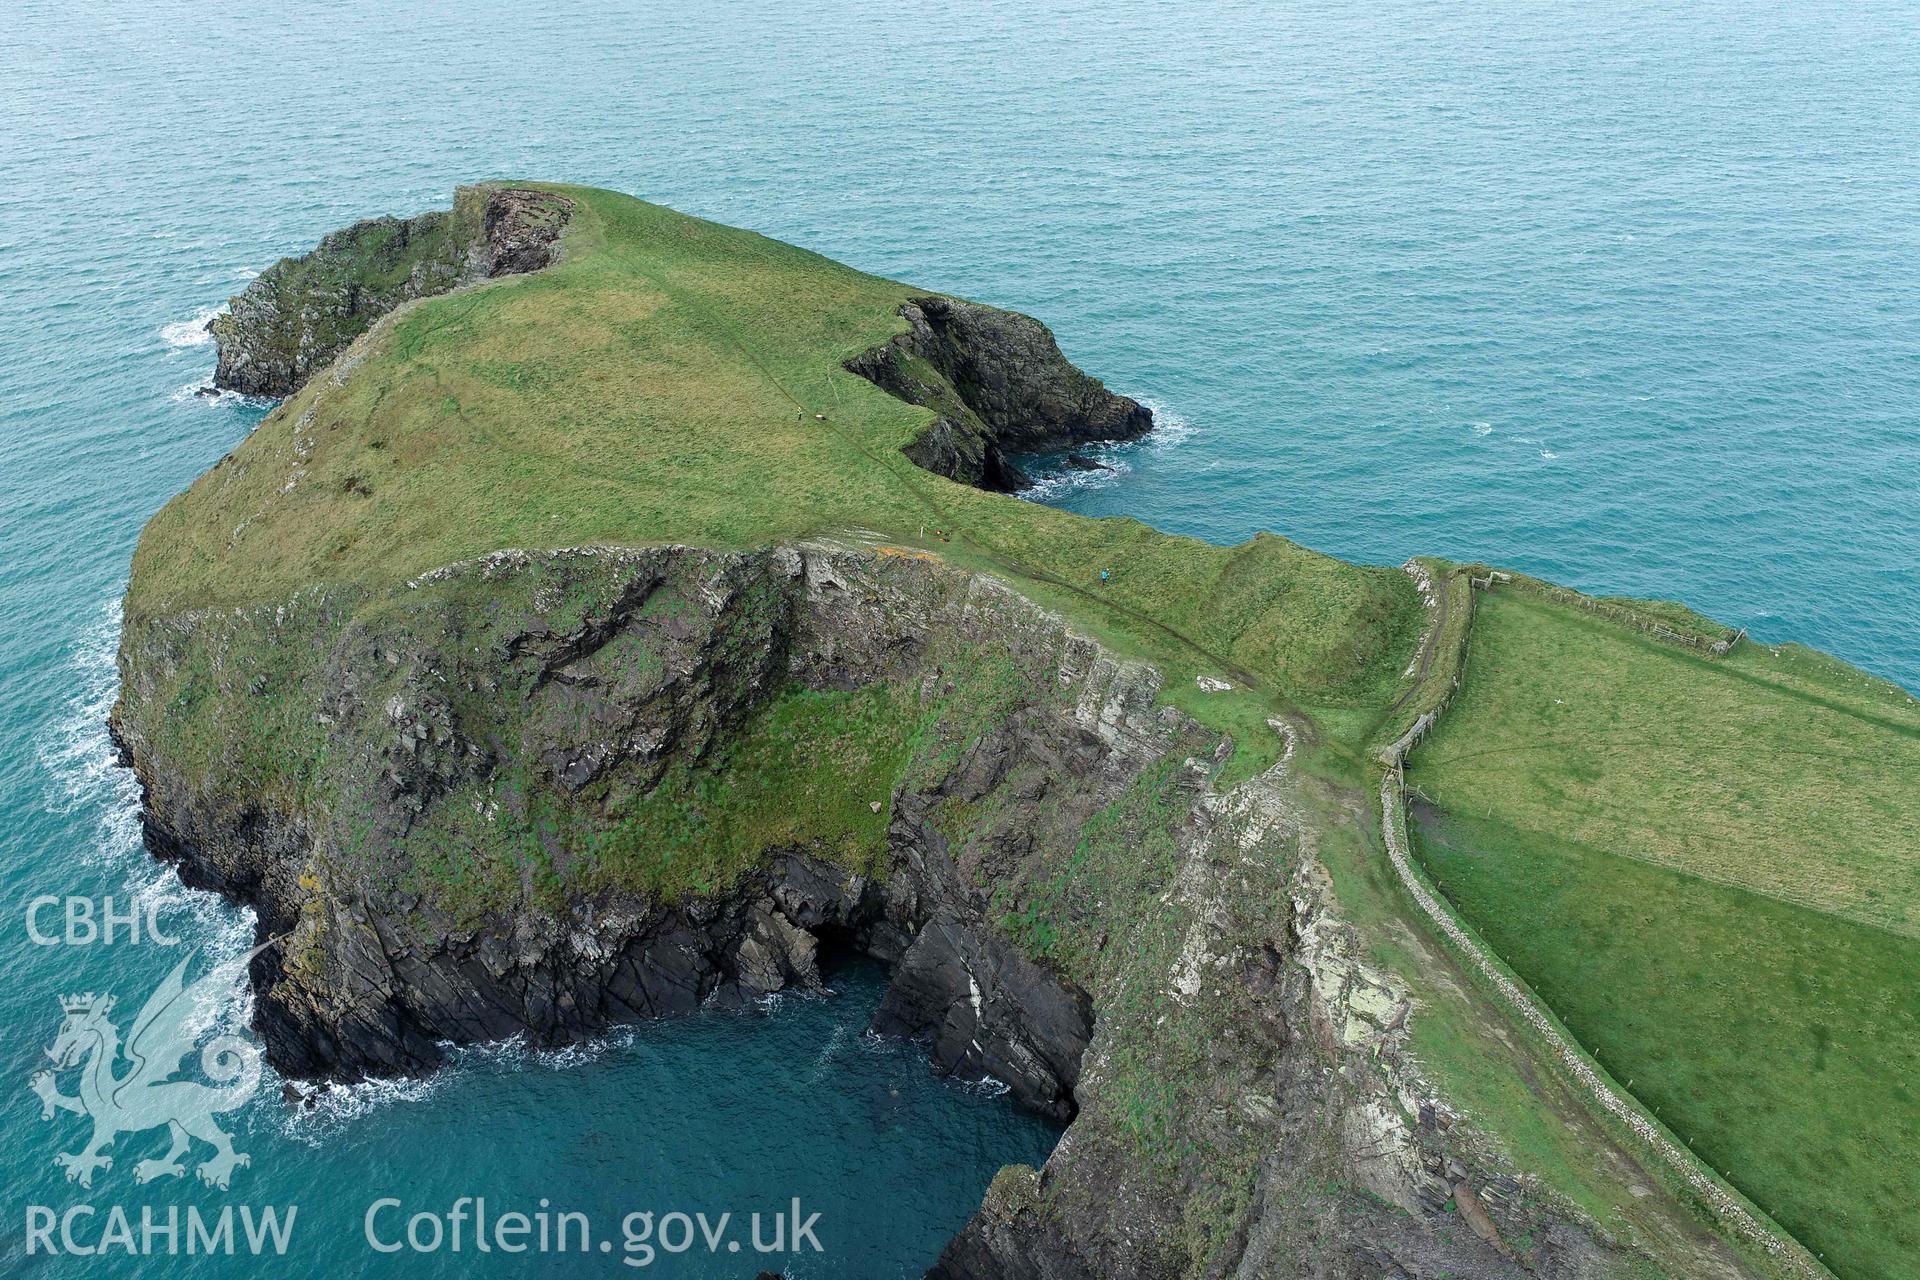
x=300 y=313
x=543 y=793
x=467 y=711
x=1000 y=385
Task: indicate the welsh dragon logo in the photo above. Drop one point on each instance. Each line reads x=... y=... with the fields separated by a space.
x=145 y=1095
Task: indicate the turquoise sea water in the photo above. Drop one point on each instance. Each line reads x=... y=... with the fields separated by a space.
x=1628 y=296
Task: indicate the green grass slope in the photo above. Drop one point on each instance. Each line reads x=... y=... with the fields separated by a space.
x=1782 y=772
x=660 y=384
x=1710 y=868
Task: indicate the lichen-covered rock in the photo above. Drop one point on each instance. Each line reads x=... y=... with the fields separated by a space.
x=1223 y=1129
x=1000 y=385
x=300 y=313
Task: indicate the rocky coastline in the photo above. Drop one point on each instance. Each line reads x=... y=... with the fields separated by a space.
x=1277 y=1048
x=1002 y=388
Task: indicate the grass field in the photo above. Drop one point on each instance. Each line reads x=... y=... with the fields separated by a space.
x=1782 y=772
x=1710 y=869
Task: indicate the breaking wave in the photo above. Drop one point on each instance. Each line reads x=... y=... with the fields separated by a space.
x=1054 y=480
x=84 y=775
x=204 y=392
x=325 y=1109
x=190 y=333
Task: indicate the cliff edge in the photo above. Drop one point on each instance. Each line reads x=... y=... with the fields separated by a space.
x=1000 y=385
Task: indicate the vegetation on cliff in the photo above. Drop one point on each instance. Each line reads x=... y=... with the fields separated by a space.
x=300 y=313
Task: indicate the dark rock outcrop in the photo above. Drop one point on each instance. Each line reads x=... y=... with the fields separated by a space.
x=983 y=1008
x=622 y=961
x=300 y=313
x=1000 y=386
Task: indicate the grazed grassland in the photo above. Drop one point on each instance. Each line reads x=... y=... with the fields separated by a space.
x=1711 y=871
x=660 y=384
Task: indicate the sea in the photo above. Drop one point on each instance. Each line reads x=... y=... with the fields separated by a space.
x=1625 y=295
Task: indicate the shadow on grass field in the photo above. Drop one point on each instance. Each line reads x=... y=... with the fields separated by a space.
x=1778 y=770
x=1778 y=1042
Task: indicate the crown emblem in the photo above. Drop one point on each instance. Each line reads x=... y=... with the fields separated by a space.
x=88 y=1003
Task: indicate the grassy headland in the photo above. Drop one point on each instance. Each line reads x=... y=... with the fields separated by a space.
x=674 y=381
x=660 y=384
